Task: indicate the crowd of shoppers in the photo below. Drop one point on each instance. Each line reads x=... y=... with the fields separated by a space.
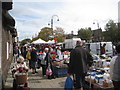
x=80 y=61
x=38 y=57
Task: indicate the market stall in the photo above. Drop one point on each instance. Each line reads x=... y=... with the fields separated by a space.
x=99 y=74
x=61 y=64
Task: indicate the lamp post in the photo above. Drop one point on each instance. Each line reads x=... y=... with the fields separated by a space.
x=97 y=24
x=52 y=22
x=97 y=32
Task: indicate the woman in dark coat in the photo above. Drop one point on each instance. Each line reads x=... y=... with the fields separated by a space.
x=33 y=60
x=48 y=60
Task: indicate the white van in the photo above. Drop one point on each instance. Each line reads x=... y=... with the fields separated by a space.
x=70 y=43
x=96 y=48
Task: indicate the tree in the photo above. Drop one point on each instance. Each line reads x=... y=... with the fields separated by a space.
x=69 y=36
x=35 y=38
x=59 y=34
x=112 y=33
x=45 y=34
x=85 y=34
x=25 y=41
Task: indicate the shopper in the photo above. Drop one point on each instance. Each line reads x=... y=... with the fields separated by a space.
x=47 y=61
x=115 y=69
x=33 y=60
x=44 y=61
x=16 y=53
x=28 y=56
x=80 y=60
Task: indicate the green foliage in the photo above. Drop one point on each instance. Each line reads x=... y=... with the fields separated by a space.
x=59 y=34
x=35 y=38
x=112 y=33
x=85 y=34
x=45 y=34
x=69 y=36
x=25 y=41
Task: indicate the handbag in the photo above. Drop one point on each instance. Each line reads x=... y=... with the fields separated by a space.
x=49 y=71
x=68 y=83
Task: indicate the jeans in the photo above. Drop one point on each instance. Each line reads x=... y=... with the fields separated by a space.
x=79 y=80
x=44 y=67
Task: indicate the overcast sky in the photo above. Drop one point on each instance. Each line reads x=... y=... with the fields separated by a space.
x=32 y=15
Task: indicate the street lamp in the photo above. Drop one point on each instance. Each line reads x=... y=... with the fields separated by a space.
x=97 y=34
x=97 y=24
x=52 y=22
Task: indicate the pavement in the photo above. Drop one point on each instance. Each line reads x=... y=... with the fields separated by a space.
x=36 y=81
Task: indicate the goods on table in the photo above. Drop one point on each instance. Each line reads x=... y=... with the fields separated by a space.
x=99 y=75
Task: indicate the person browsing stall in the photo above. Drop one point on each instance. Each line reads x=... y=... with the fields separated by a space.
x=80 y=60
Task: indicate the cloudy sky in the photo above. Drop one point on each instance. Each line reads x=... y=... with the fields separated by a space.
x=32 y=15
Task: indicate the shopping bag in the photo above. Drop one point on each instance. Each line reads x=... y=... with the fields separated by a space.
x=37 y=64
x=68 y=83
x=48 y=71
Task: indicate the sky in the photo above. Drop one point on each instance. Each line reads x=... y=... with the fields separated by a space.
x=33 y=15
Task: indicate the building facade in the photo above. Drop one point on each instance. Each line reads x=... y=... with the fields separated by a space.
x=97 y=35
x=7 y=36
x=0 y=45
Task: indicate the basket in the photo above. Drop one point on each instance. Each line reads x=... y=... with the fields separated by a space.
x=21 y=79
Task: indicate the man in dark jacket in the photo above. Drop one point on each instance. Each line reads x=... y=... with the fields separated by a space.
x=33 y=60
x=80 y=60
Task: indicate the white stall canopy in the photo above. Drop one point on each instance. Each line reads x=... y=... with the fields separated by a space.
x=39 y=41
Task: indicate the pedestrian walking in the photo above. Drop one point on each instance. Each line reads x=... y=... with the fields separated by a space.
x=115 y=69
x=16 y=53
x=44 y=61
x=28 y=56
x=47 y=61
x=80 y=61
x=33 y=60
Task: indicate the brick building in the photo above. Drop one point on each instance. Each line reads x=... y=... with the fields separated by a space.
x=97 y=35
